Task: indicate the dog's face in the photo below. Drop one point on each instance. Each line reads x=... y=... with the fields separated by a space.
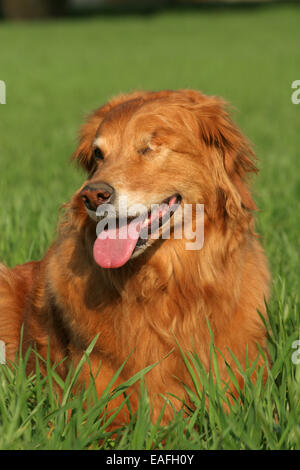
x=147 y=154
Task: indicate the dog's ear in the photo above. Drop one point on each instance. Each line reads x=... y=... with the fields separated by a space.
x=236 y=159
x=83 y=154
x=232 y=154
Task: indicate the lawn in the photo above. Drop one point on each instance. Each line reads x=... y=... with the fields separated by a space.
x=55 y=73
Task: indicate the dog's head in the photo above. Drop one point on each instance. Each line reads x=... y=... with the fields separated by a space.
x=148 y=154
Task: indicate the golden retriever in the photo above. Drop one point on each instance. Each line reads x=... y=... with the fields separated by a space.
x=145 y=295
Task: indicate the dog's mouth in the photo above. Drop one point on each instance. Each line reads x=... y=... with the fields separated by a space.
x=115 y=245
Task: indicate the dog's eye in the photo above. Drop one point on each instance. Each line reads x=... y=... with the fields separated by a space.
x=98 y=154
x=144 y=150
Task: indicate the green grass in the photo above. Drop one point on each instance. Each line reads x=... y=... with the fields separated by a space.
x=56 y=72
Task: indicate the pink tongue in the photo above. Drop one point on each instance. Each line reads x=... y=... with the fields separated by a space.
x=114 y=247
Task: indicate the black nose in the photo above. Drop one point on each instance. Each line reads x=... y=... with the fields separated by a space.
x=94 y=194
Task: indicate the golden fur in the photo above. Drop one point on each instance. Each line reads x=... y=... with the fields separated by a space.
x=167 y=292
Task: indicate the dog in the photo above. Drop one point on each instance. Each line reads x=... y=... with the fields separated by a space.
x=149 y=298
